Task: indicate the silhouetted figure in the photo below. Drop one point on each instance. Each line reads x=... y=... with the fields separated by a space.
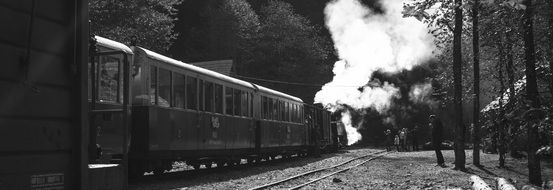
x=414 y=138
x=389 y=143
x=437 y=130
x=396 y=142
x=403 y=139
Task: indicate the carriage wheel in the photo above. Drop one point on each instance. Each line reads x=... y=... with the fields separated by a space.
x=158 y=171
x=220 y=163
x=236 y=162
x=196 y=166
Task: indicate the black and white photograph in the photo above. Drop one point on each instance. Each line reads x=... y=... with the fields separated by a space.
x=276 y=94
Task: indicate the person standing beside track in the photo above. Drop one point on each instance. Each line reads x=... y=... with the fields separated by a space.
x=402 y=137
x=389 y=142
x=436 y=126
x=396 y=142
x=414 y=139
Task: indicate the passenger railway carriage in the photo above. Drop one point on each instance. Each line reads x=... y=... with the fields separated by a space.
x=183 y=112
x=188 y=113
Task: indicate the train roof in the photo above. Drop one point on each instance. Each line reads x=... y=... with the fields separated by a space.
x=165 y=59
x=112 y=44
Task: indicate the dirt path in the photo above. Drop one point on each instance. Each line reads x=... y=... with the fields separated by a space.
x=418 y=170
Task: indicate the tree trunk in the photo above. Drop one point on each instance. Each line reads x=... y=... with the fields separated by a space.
x=476 y=98
x=531 y=94
x=501 y=115
x=510 y=68
x=511 y=83
x=550 y=38
x=457 y=81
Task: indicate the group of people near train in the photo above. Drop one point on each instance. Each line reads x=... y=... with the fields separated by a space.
x=403 y=140
x=400 y=140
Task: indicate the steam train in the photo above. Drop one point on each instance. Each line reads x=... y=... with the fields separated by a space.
x=152 y=110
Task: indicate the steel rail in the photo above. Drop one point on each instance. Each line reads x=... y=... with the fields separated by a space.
x=318 y=170
x=334 y=173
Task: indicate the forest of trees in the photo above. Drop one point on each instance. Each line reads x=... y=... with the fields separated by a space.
x=492 y=74
x=511 y=41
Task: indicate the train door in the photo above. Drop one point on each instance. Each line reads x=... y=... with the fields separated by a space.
x=108 y=97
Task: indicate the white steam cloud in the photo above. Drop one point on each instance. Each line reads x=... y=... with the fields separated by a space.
x=420 y=93
x=367 y=42
x=353 y=135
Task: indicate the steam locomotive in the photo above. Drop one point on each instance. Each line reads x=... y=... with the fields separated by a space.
x=152 y=110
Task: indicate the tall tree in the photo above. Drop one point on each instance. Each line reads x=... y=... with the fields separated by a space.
x=499 y=123
x=232 y=29
x=476 y=99
x=147 y=23
x=290 y=49
x=550 y=42
x=458 y=88
x=216 y=29
x=531 y=93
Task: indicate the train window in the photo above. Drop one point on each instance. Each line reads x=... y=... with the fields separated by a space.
x=301 y=114
x=228 y=101
x=248 y=104
x=179 y=90
x=164 y=86
x=281 y=106
x=244 y=103
x=291 y=110
x=201 y=95
x=298 y=114
x=272 y=108
x=237 y=102
x=153 y=84
x=265 y=107
x=296 y=111
x=287 y=111
x=209 y=96
x=109 y=80
x=293 y=113
x=218 y=98
x=251 y=105
x=191 y=93
x=275 y=109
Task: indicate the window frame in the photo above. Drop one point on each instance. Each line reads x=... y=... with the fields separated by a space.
x=158 y=90
x=184 y=91
x=229 y=105
x=191 y=80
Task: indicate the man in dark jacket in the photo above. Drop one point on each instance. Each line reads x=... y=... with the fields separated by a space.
x=414 y=139
x=436 y=126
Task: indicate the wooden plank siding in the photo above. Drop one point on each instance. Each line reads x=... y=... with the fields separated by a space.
x=42 y=109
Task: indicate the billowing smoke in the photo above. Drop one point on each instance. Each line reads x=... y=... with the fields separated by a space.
x=367 y=42
x=353 y=135
x=420 y=93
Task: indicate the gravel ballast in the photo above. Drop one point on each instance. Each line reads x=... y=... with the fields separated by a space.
x=397 y=170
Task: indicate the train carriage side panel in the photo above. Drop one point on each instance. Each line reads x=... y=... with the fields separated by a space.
x=166 y=128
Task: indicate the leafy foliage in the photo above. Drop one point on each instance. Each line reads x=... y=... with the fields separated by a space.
x=290 y=48
x=272 y=42
x=148 y=23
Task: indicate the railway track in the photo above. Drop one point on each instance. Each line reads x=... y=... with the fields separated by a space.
x=189 y=172
x=306 y=178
